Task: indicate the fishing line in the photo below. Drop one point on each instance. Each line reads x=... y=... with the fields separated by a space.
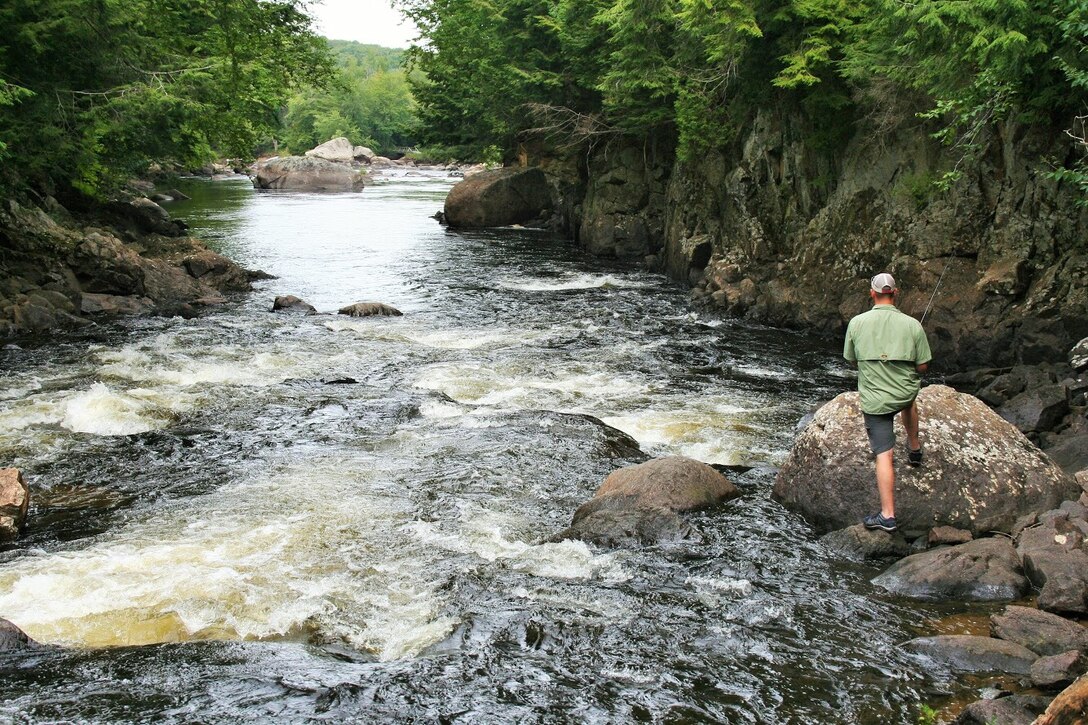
x=935 y=288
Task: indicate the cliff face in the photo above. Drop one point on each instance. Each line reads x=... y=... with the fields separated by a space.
x=775 y=232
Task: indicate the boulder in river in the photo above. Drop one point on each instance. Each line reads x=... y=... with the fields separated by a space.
x=969 y=653
x=498 y=198
x=99 y=304
x=980 y=473
x=984 y=570
x=1042 y=632
x=13 y=638
x=290 y=303
x=370 y=309
x=299 y=173
x=338 y=149
x=1060 y=670
x=14 y=503
x=639 y=504
x=1011 y=710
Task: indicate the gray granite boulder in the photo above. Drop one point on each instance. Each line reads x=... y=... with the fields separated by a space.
x=339 y=150
x=984 y=570
x=307 y=173
x=498 y=198
x=980 y=473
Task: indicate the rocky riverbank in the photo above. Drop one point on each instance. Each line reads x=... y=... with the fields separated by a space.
x=61 y=269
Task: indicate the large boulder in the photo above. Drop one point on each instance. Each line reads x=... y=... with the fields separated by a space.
x=13 y=638
x=339 y=150
x=983 y=570
x=1058 y=671
x=14 y=503
x=310 y=173
x=639 y=504
x=498 y=198
x=1042 y=632
x=980 y=473
x=969 y=653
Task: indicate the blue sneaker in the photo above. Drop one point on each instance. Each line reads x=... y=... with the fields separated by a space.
x=877 y=521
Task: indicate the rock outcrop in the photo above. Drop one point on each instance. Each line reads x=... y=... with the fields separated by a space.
x=980 y=473
x=116 y=261
x=498 y=198
x=14 y=503
x=639 y=504
x=307 y=173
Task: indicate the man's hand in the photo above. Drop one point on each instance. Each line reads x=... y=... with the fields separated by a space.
x=921 y=368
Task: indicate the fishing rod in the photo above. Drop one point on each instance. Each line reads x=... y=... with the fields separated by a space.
x=935 y=288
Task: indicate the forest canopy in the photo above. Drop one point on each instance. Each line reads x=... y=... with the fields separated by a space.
x=695 y=70
x=369 y=102
x=93 y=91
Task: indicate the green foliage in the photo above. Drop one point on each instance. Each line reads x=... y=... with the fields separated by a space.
x=369 y=102
x=104 y=87
x=927 y=715
x=696 y=70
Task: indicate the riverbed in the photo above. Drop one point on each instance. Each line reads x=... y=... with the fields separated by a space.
x=265 y=516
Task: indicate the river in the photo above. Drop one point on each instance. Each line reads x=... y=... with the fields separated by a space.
x=255 y=516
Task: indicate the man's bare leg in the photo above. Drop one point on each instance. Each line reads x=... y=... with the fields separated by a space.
x=885 y=483
x=910 y=422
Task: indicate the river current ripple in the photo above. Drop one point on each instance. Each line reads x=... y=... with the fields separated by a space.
x=256 y=516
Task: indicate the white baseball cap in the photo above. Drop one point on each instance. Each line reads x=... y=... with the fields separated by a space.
x=883 y=283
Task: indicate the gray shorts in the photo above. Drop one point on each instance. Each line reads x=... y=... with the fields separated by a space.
x=881 y=430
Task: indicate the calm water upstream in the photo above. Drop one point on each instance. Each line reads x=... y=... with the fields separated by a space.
x=255 y=517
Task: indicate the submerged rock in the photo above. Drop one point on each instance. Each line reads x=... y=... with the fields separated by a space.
x=370 y=309
x=1041 y=632
x=969 y=653
x=498 y=198
x=639 y=504
x=14 y=503
x=984 y=570
x=980 y=473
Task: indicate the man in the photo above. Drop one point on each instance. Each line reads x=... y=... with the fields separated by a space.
x=891 y=351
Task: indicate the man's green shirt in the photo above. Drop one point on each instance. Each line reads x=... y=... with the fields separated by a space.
x=887 y=345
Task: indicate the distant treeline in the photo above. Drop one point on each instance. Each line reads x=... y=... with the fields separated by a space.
x=369 y=102
x=92 y=92
x=695 y=71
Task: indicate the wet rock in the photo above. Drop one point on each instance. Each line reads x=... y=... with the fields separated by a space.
x=675 y=483
x=969 y=653
x=298 y=173
x=1036 y=410
x=337 y=149
x=948 y=536
x=1070 y=707
x=1042 y=632
x=14 y=503
x=859 y=543
x=12 y=638
x=370 y=309
x=1011 y=710
x=290 y=303
x=1070 y=451
x=638 y=505
x=985 y=570
x=216 y=270
x=617 y=521
x=1056 y=563
x=498 y=198
x=99 y=304
x=1060 y=670
x=980 y=474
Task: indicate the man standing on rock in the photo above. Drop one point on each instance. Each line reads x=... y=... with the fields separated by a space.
x=891 y=351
